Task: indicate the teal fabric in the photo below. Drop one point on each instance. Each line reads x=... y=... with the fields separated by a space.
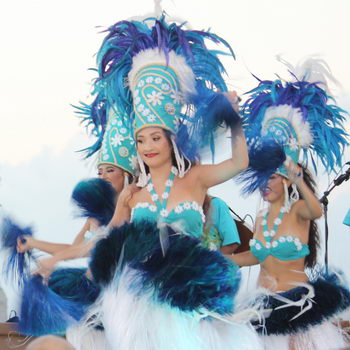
x=347 y=219
x=283 y=248
x=187 y=216
x=156 y=98
x=118 y=146
x=221 y=229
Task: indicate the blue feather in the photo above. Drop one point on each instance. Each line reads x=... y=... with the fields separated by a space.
x=17 y=266
x=325 y=119
x=96 y=199
x=265 y=157
x=179 y=278
x=44 y=312
x=331 y=298
x=72 y=284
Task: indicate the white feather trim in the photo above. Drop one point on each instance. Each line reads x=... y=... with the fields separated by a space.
x=176 y=62
x=313 y=70
x=295 y=117
x=141 y=323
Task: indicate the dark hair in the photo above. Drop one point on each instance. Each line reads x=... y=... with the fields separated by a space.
x=314 y=237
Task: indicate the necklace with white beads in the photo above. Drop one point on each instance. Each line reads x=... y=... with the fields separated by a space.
x=269 y=234
x=161 y=204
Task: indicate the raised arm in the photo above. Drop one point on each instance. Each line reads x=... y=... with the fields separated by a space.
x=309 y=208
x=211 y=175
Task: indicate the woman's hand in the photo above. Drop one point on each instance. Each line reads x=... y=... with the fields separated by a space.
x=295 y=172
x=127 y=193
x=24 y=243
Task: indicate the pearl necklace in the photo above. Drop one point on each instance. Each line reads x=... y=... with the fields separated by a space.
x=161 y=205
x=269 y=234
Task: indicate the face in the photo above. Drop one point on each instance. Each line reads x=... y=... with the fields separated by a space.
x=112 y=174
x=274 y=190
x=154 y=147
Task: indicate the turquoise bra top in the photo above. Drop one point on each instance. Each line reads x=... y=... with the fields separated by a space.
x=186 y=216
x=283 y=248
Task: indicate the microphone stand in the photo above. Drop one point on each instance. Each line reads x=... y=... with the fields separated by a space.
x=324 y=200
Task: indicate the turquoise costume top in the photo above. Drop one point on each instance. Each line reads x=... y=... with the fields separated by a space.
x=187 y=216
x=222 y=229
x=283 y=248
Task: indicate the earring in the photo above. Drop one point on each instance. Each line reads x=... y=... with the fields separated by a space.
x=180 y=159
x=143 y=179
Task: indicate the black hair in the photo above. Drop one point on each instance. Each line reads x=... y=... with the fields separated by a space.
x=314 y=237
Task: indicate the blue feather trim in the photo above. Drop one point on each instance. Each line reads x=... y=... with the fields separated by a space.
x=17 y=266
x=331 y=298
x=96 y=199
x=189 y=276
x=265 y=157
x=73 y=285
x=325 y=119
x=44 y=312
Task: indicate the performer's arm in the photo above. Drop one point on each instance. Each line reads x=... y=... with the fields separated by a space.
x=122 y=211
x=211 y=175
x=309 y=208
x=81 y=250
x=244 y=259
x=28 y=242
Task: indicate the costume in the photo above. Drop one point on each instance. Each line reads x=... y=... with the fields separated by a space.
x=220 y=229
x=161 y=288
x=282 y=119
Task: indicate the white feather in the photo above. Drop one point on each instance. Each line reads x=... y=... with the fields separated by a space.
x=295 y=117
x=176 y=62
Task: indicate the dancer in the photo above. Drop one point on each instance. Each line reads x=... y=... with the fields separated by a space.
x=116 y=165
x=161 y=288
x=284 y=118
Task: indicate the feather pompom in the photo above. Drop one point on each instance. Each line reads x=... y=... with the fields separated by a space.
x=72 y=284
x=17 y=266
x=265 y=158
x=176 y=278
x=96 y=199
x=44 y=312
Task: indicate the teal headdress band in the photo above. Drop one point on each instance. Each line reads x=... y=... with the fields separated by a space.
x=284 y=124
x=159 y=86
x=118 y=146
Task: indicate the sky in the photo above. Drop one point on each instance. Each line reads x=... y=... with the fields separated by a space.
x=49 y=46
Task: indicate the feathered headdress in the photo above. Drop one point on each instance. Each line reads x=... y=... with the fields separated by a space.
x=161 y=74
x=286 y=118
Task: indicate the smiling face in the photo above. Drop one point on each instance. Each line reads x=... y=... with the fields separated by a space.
x=274 y=190
x=154 y=146
x=112 y=174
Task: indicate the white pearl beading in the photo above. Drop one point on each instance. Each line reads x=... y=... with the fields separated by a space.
x=178 y=209
x=274 y=244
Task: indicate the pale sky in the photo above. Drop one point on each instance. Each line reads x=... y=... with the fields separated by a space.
x=48 y=46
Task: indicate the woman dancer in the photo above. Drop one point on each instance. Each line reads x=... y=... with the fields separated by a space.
x=161 y=288
x=116 y=165
x=283 y=118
